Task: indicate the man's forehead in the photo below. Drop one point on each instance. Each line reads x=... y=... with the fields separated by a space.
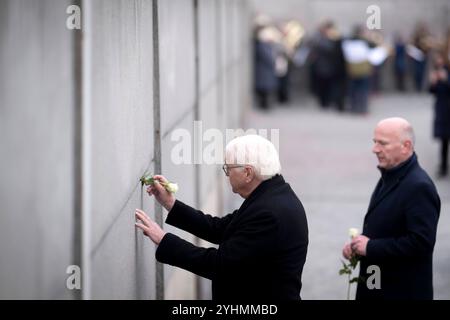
x=385 y=134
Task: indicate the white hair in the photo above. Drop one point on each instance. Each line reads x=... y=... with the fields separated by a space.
x=255 y=151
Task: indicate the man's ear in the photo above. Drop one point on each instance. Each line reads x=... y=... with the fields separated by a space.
x=408 y=144
x=249 y=173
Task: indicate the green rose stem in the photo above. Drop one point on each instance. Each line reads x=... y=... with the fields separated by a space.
x=348 y=268
x=348 y=288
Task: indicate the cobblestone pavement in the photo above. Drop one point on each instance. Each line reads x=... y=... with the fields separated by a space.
x=326 y=157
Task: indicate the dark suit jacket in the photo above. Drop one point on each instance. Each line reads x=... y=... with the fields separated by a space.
x=401 y=223
x=262 y=246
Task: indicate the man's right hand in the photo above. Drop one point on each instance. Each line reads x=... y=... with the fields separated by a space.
x=347 y=252
x=164 y=197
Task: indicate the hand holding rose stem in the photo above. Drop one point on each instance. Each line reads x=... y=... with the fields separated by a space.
x=165 y=196
x=163 y=191
x=353 y=258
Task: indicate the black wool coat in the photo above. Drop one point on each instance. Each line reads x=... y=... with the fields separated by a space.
x=401 y=224
x=262 y=246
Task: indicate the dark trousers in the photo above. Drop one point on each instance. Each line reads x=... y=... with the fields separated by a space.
x=359 y=95
x=262 y=97
x=340 y=90
x=283 y=89
x=331 y=91
x=419 y=74
x=400 y=80
x=324 y=90
x=443 y=168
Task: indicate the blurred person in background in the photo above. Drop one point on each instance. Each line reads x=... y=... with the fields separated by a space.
x=376 y=38
x=265 y=78
x=399 y=62
x=359 y=69
x=339 y=86
x=446 y=46
x=328 y=66
x=282 y=70
x=421 y=44
x=440 y=88
x=291 y=36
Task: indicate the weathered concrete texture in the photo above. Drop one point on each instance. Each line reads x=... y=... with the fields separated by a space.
x=217 y=87
x=37 y=150
x=123 y=264
x=234 y=60
x=77 y=132
x=122 y=145
x=183 y=174
x=177 y=71
x=122 y=115
x=234 y=77
x=208 y=37
x=212 y=142
x=210 y=15
x=177 y=79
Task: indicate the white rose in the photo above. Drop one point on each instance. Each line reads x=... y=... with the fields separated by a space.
x=353 y=232
x=172 y=187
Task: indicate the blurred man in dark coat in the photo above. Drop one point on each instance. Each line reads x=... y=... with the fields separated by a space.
x=265 y=78
x=262 y=245
x=328 y=65
x=400 y=225
x=440 y=88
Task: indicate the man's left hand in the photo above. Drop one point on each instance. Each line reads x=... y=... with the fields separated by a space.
x=359 y=245
x=151 y=228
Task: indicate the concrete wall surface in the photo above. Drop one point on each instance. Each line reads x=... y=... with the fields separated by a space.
x=84 y=113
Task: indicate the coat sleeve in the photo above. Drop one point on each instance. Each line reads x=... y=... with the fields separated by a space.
x=196 y=222
x=254 y=239
x=422 y=214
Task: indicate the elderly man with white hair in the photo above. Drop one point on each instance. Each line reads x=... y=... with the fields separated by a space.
x=262 y=245
x=401 y=222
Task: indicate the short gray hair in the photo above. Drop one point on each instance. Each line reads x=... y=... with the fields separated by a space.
x=255 y=151
x=408 y=134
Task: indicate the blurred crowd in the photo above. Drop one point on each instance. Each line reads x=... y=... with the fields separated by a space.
x=274 y=49
x=340 y=66
x=344 y=72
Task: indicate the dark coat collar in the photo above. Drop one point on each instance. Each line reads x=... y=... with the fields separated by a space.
x=271 y=183
x=389 y=175
x=391 y=178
